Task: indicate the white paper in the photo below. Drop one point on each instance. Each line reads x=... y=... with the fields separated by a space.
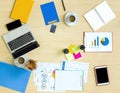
x=44 y=76
x=105 y=12
x=93 y=19
x=93 y=41
x=73 y=65
x=99 y=16
x=68 y=80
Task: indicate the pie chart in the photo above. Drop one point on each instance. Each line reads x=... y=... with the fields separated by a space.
x=104 y=41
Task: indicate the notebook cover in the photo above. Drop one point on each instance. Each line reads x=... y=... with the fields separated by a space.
x=13 y=77
x=49 y=13
x=22 y=9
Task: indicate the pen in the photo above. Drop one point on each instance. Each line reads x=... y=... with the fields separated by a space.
x=63 y=5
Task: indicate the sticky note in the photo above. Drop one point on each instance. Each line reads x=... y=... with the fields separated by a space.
x=70 y=48
x=22 y=9
x=69 y=56
x=78 y=55
x=76 y=49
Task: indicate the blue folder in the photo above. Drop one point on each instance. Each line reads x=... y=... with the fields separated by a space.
x=49 y=13
x=13 y=77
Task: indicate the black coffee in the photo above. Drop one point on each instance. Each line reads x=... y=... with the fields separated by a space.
x=71 y=18
x=21 y=60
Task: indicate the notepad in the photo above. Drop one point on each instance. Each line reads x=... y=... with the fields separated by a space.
x=98 y=41
x=99 y=16
x=68 y=80
x=22 y=9
x=13 y=77
x=49 y=13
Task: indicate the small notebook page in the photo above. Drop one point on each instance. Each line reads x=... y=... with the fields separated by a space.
x=99 y=16
x=105 y=12
x=68 y=80
x=93 y=19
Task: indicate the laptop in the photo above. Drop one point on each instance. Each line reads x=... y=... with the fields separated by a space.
x=20 y=41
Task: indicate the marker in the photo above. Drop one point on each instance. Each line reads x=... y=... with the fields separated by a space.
x=63 y=5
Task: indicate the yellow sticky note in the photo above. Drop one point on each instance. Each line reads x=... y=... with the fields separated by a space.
x=69 y=56
x=70 y=49
x=22 y=9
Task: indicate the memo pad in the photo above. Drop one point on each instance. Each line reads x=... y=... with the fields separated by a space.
x=13 y=77
x=99 y=16
x=49 y=13
x=22 y=9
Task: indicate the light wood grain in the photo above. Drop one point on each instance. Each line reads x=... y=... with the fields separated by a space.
x=51 y=45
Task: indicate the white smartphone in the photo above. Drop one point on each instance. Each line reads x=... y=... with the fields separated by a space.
x=101 y=75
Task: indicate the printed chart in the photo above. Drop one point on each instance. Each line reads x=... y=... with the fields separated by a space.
x=98 y=41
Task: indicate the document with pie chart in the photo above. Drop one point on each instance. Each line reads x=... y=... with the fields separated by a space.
x=98 y=41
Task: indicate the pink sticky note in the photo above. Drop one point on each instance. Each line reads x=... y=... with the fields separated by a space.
x=78 y=55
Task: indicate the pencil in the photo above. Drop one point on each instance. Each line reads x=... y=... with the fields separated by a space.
x=63 y=5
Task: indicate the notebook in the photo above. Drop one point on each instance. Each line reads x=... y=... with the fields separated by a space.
x=13 y=77
x=49 y=13
x=98 y=41
x=22 y=9
x=99 y=16
x=20 y=41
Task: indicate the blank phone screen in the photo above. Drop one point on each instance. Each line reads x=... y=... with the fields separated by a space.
x=102 y=75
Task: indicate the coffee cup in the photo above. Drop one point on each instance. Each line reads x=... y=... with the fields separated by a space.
x=21 y=61
x=71 y=18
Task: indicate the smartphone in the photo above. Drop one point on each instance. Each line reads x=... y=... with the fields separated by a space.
x=13 y=25
x=101 y=75
x=53 y=28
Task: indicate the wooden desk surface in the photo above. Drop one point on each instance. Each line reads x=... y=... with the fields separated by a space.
x=51 y=45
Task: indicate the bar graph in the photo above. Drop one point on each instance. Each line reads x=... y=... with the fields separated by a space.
x=95 y=42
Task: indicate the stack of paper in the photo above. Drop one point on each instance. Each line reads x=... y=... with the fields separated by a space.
x=99 y=16
x=61 y=77
x=73 y=65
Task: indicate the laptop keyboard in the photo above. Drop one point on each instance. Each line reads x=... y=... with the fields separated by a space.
x=20 y=41
x=25 y=49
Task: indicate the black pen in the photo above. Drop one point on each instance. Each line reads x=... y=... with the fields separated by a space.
x=63 y=5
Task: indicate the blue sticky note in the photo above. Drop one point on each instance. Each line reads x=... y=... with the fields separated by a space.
x=13 y=77
x=49 y=13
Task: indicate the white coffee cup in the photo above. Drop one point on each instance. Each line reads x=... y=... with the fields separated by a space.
x=21 y=61
x=71 y=18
